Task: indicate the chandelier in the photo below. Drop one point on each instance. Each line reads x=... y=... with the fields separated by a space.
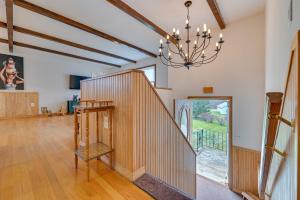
x=194 y=55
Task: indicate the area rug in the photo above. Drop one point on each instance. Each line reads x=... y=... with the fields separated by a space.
x=158 y=189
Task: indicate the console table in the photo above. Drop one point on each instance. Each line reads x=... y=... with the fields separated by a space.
x=96 y=149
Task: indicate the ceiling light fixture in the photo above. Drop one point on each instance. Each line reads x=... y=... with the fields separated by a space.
x=193 y=56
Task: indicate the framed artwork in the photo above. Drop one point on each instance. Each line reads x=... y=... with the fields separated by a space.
x=11 y=72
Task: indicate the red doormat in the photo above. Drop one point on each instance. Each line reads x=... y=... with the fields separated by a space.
x=158 y=189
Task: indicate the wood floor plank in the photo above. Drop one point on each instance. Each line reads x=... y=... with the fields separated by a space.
x=37 y=162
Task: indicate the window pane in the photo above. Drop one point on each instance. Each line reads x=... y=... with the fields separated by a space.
x=150 y=73
x=184 y=122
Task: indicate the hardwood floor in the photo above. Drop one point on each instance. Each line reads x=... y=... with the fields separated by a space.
x=37 y=162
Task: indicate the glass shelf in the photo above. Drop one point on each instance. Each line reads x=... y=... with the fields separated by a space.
x=95 y=150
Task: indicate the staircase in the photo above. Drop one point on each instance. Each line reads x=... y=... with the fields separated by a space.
x=146 y=137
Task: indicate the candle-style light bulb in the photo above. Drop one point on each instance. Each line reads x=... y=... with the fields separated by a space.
x=186 y=55
x=161 y=41
x=174 y=30
x=198 y=30
x=203 y=52
x=208 y=31
x=170 y=54
x=195 y=43
x=180 y=46
x=177 y=32
x=187 y=21
x=217 y=44
x=168 y=37
x=221 y=35
x=204 y=28
x=160 y=50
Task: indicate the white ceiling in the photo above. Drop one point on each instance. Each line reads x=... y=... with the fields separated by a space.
x=103 y=16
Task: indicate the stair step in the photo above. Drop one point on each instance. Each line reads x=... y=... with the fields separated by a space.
x=249 y=196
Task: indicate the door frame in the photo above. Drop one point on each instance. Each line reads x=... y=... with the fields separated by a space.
x=230 y=146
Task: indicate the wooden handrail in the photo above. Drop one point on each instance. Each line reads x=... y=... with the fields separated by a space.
x=274 y=102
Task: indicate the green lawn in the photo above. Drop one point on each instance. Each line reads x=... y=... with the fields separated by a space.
x=198 y=124
x=212 y=128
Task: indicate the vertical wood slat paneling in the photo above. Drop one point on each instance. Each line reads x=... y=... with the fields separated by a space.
x=146 y=138
x=15 y=104
x=169 y=155
x=117 y=89
x=245 y=164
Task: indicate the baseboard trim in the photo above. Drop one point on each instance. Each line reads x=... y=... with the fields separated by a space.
x=138 y=173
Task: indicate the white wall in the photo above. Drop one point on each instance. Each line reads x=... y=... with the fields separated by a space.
x=161 y=70
x=48 y=74
x=280 y=32
x=166 y=97
x=239 y=71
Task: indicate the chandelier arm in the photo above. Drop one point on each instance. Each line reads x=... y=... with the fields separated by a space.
x=193 y=53
x=197 y=65
x=163 y=61
x=199 y=54
x=168 y=65
x=207 y=45
x=176 y=66
x=177 y=53
x=206 y=61
x=169 y=60
x=204 y=47
x=180 y=51
x=213 y=59
x=171 y=50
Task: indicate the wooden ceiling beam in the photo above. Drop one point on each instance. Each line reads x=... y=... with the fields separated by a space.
x=58 y=52
x=216 y=12
x=65 y=42
x=73 y=23
x=9 y=19
x=133 y=13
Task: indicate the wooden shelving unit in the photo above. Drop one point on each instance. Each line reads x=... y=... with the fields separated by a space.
x=92 y=150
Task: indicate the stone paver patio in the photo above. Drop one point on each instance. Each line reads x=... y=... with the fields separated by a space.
x=212 y=164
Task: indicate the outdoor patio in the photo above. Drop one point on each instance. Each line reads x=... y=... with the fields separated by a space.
x=212 y=164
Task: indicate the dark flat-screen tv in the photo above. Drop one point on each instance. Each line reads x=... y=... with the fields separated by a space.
x=75 y=81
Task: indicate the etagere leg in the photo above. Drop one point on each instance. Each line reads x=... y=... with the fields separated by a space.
x=76 y=162
x=111 y=160
x=88 y=170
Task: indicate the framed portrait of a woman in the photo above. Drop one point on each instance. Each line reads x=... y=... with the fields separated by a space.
x=11 y=72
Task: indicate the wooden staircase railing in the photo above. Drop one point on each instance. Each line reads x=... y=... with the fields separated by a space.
x=274 y=100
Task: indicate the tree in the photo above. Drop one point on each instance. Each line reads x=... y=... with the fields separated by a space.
x=199 y=107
